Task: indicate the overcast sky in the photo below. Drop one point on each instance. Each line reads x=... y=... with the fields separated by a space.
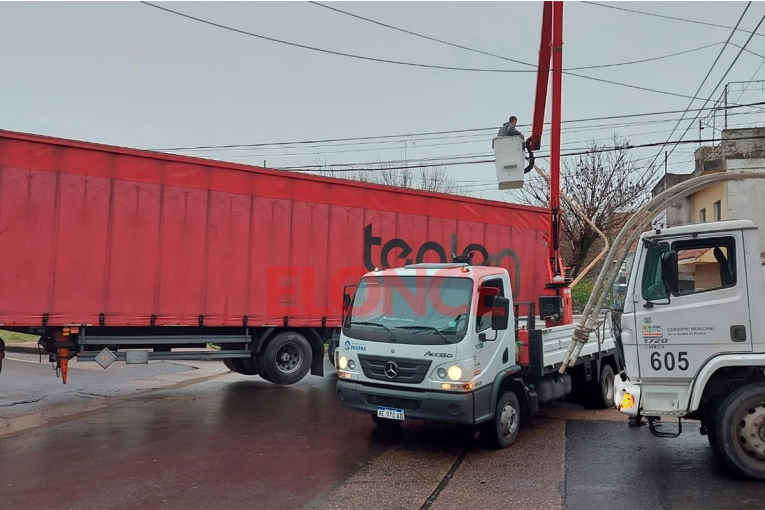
x=131 y=75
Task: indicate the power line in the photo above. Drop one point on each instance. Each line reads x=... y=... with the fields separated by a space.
x=319 y=4
x=331 y=52
x=718 y=83
x=470 y=130
x=685 y=20
x=570 y=154
x=482 y=141
x=730 y=36
x=397 y=62
x=481 y=52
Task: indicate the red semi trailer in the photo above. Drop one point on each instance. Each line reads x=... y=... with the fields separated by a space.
x=111 y=253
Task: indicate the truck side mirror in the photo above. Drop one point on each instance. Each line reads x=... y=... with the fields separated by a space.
x=669 y=273
x=500 y=315
x=347 y=298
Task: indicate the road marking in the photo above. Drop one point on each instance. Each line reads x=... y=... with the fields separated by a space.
x=24 y=360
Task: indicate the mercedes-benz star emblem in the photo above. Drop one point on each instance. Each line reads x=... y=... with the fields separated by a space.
x=391 y=370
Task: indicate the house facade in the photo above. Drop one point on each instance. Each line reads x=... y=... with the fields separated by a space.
x=739 y=149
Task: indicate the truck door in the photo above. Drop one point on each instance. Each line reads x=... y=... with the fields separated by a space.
x=708 y=313
x=486 y=352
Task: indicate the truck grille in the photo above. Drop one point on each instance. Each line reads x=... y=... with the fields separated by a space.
x=406 y=370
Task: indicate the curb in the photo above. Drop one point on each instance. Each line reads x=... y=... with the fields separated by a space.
x=24 y=349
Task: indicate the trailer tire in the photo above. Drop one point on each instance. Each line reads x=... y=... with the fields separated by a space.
x=740 y=431
x=241 y=366
x=503 y=428
x=286 y=358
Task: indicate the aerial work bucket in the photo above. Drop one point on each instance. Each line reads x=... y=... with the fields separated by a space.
x=510 y=161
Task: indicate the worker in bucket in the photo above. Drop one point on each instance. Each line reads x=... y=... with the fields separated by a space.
x=508 y=128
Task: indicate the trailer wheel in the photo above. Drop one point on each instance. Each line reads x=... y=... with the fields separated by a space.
x=503 y=428
x=741 y=431
x=241 y=366
x=287 y=358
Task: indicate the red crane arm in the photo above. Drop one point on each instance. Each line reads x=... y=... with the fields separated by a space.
x=551 y=49
x=543 y=71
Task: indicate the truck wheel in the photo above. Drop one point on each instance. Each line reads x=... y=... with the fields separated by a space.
x=741 y=431
x=287 y=358
x=604 y=398
x=503 y=429
x=714 y=443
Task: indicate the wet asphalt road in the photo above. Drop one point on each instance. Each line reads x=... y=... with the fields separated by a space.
x=238 y=442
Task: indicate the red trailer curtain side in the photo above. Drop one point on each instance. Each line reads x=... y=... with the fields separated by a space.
x=88 y=229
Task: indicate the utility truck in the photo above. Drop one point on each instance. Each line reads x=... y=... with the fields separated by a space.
x=693 y=335
x=447 y=343
x=690 y=340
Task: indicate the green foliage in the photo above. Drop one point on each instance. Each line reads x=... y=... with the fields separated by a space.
x=580 y=294
x=13 y=337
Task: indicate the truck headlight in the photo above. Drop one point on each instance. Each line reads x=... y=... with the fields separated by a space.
x=351 y=364
x=441 y=373
x=342 y=363
x=455 y=373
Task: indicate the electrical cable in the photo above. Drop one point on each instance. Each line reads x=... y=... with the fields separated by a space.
x=425 y=145
x=698 y=90
x=580 y=153
x=436 y=158
x=718 y=83
x=469 y=130
x=652 y=59
x=665 y=16
x=397 y=62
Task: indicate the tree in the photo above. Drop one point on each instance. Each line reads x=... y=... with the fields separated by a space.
x=399 y=174
x=604 y=183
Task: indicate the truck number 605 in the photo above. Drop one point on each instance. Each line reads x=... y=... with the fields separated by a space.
x=669 y=361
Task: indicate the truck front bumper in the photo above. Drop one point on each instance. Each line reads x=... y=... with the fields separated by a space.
x=626 y=395
x=420 y=405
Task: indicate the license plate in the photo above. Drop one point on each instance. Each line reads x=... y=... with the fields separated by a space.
x=390 y=413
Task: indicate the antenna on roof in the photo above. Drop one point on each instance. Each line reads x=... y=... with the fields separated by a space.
x=467 y=260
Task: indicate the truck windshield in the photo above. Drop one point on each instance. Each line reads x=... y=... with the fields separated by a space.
x=423 y=310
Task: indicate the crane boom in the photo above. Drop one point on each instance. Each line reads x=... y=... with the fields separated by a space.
x=555 y=304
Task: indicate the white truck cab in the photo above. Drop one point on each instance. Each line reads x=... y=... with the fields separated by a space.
x=693 y=334
x=441 y=342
